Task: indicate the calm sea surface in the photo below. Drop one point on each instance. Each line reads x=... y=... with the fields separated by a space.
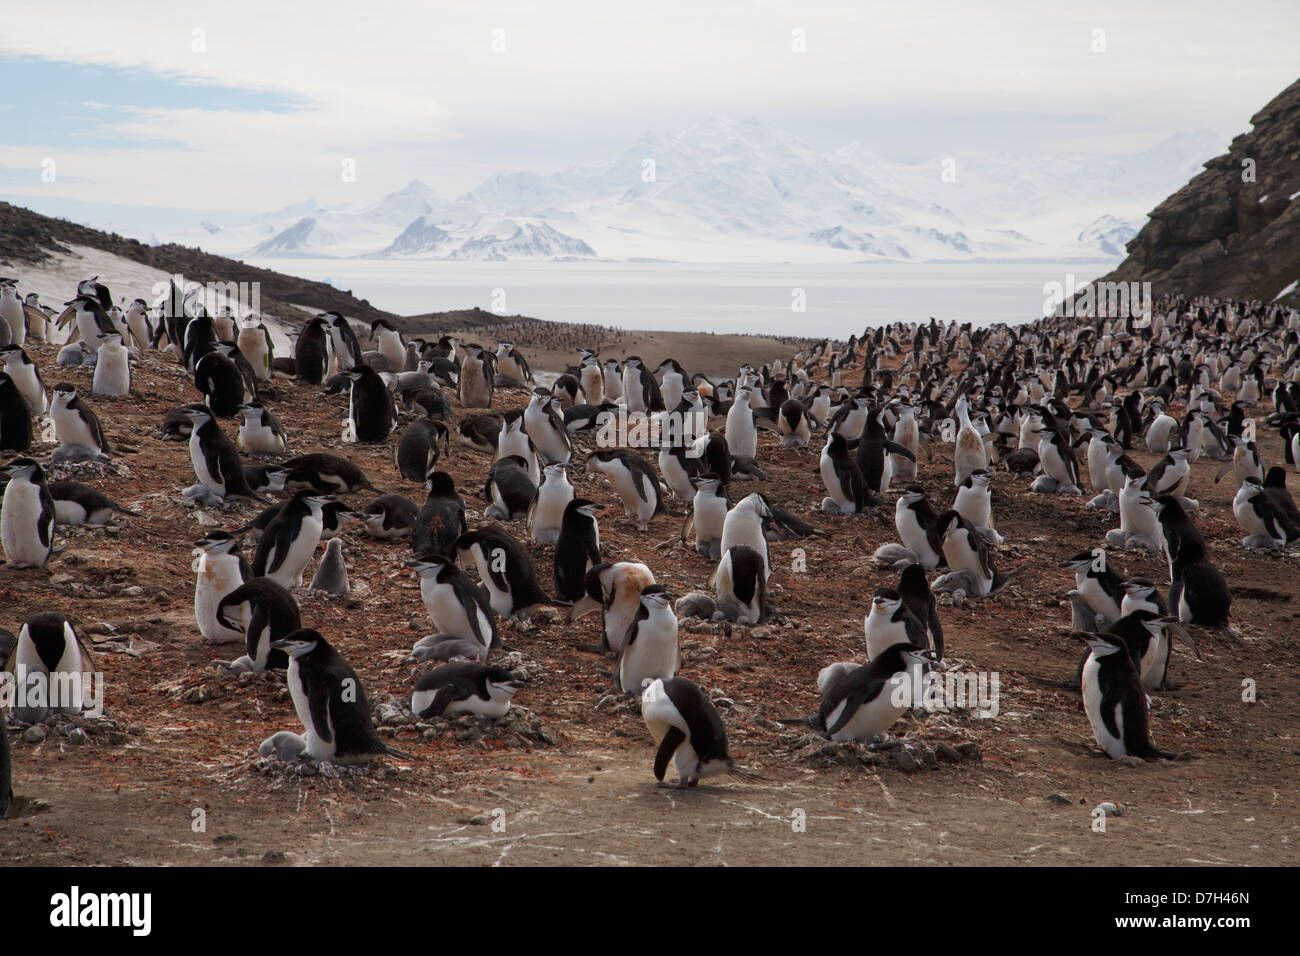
x=781 y=299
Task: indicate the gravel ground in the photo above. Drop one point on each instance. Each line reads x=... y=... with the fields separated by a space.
x=172 y=774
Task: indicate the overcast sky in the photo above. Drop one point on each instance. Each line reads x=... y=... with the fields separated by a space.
x=237 y=105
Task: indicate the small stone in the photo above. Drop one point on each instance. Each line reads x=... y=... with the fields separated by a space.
x=133 y=591
x=970 y=750
x=273 y=856
x=77 y=737
x=1128 y=760
x=35 y=734
x=1060 y=799
x=947 y=752
x=905 y=761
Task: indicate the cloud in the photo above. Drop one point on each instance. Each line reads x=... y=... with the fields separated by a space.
x=252 y=105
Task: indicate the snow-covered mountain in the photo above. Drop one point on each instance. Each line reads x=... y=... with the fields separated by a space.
x=741 y=190
x=1109 y=234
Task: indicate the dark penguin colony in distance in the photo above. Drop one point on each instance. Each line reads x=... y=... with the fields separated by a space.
x=486 y=501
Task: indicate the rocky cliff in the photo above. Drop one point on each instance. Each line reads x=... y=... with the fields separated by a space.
x=1234 y=230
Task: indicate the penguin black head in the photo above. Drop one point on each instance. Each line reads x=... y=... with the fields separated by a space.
x=950 y=522
x=913 y=493
x=1139 y=587
x=1080 y=562
x=585 y=507
x=217 y=542
x=656 y=594
x=440 y=483
x=1101 y=645
x=301 y=642
x=500 y=681
x=24 y=469
x=886 y=600
x=912 y=581
x=435 y=566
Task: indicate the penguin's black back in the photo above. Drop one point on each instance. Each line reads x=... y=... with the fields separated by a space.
x=708 y=737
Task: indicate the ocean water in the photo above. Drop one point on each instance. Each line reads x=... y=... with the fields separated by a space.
x=780 y=299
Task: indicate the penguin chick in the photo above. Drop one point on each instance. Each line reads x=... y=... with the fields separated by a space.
x=332 y=573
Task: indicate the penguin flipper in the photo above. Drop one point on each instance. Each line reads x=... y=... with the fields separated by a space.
x=438 y=706
x=852 y=701
x=688 y=525
x=673 y=739
x=896 y=449
x=318 y=700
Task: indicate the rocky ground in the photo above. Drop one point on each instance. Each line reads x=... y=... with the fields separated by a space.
x=172 y=775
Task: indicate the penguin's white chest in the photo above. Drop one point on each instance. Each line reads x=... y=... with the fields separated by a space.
x=742 y=438
x=20 y=517
x=962 y=557
x=218 y=576
x=970 y=454
x=71 y=429
x=875 y=716
x=87 y=326
x=549 y=514
x=739 y=528
x=881 y=632
x=502 y=602
x=672 y=389
x=318 y=748
x=974 y=505
x=1092 y=703
x=710 y=515
x=653 y=653
x=1153 y=661
x=914 y=537
x=391 y=348
x=112 y=372
x=445 y=610
x=619 y=617
x=200 y=464
x=593 y=384
x=301 y=550
x=11 y=310
x=24 y=377
x=1097 y=598
x=256 y=436
x=632 y=390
